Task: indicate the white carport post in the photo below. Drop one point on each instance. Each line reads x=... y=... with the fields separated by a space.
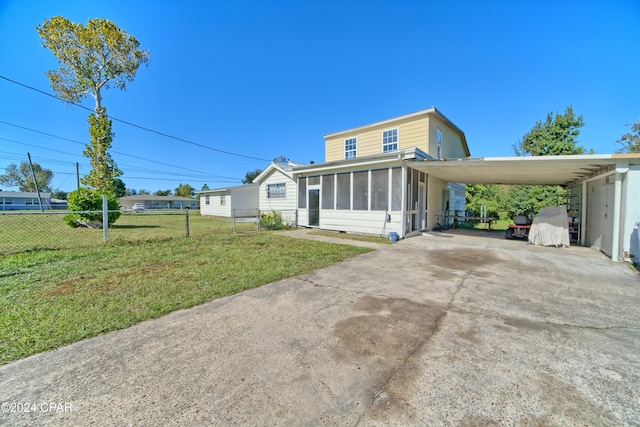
x=621 y=169
x=583 y=215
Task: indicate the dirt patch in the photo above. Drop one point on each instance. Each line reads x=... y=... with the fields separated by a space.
x=463 y=259
x=388 y=329
x=383 y=339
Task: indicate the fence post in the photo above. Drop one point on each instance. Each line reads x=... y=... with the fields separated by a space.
x=187 y=221
x=105 y=218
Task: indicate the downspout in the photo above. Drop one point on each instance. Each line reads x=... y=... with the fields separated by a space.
x=621 y=169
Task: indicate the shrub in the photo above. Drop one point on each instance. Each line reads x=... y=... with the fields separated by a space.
x=87 y=204
x=273 y=221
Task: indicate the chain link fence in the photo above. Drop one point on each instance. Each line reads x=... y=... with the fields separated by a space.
x=31 y=230
x=22 y=231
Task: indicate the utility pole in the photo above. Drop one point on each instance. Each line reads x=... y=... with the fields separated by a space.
x=78 y=175
x=36 y=181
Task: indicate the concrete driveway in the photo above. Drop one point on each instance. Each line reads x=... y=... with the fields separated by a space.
x=441 y=329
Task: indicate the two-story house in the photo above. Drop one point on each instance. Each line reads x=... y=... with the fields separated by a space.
x=367 y=183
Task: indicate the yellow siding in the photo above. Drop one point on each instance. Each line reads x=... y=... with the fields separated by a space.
x=412 y=132
x=452 y=145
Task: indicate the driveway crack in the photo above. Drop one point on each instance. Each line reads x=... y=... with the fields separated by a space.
x=434 y=330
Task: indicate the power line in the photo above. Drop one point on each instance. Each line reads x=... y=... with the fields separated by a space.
x=113 y=151
x=135 y=125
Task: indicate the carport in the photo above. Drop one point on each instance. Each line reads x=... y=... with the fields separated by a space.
x=614 y=213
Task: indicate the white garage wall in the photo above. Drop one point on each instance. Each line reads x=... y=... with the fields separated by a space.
x=631 y=213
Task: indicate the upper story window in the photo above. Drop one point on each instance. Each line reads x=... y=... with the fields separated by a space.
x=439 y=139
x=276 y=191
x=390 y=140
x=350 y=146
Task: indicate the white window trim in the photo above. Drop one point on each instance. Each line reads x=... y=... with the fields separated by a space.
x=277 y=194
x=397 y=139
x=223 y=200
x=354 y=151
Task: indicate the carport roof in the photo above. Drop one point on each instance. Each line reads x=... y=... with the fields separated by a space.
x=546 y=170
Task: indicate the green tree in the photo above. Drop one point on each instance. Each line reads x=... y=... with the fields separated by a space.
x=143 y=191
x=22 y=177
x=251 y=175
x=87 y=204
x=281 y=160
x=557 y=135
x=119 y=188
x=184 y=190
x=92 y=58
x=60 y=195
x=204 y=187
x=630 y=141
x=491 y=196
x=162 y=193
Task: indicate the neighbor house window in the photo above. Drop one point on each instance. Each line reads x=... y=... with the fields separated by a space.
x=7 y=201
x=350 y=148
x=390 y=140
x=206 y=200
x=223 y=200
x=276 y=191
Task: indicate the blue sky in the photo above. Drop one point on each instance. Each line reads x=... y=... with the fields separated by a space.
x=265 y=79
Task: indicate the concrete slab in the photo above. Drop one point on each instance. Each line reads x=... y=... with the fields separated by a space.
x=442 y=329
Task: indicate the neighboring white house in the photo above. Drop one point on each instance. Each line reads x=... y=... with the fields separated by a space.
x=223 y=201
x=278 y=191
x=26 y=200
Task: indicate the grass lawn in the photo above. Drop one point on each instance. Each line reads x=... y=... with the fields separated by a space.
x=36 y=231
x=49 y=298
x=499 y=225
x=349 y=236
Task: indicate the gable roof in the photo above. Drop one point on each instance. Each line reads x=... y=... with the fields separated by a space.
x=286 y=170
x=428 y=111
x=227 y=189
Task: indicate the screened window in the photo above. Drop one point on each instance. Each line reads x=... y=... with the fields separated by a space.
x=327 y=191
x=302 y=193
x=350 y=146
x=276 y=191
x=207 y=200
x=361 y=191
x=390 y=140
x=223 y=200
x=343 y=181
x=379 y=190
x=396 y=189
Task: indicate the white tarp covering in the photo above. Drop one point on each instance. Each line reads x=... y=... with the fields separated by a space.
x=550 y=227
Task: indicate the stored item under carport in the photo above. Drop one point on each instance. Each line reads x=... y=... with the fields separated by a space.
x=520 y=228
